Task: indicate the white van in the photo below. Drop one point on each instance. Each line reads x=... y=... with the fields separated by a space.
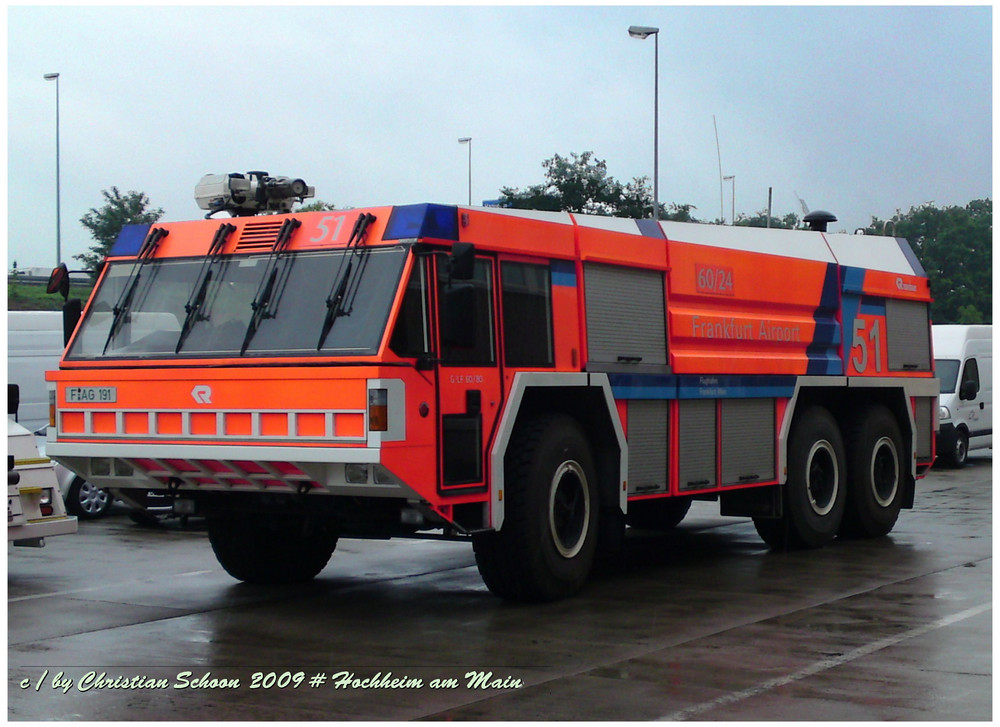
x=963 y=360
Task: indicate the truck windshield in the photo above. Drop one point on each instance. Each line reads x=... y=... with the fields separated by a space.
x=947 y=371
x=294 y=316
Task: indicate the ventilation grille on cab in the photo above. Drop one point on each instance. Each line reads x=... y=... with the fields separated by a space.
x=259 y=236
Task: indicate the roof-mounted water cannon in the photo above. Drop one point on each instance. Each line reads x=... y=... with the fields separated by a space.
x=242 y=195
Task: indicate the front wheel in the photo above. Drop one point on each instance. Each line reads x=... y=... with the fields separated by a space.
x=959 y=452
x=814 y=494
x=546 y=546
x=271 y=548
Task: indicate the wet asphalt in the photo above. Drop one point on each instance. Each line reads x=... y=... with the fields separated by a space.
x=122 y=622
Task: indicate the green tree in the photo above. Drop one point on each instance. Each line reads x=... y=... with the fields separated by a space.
x=788 y=222
x=581 y=183
x=955 y=246
x=317 y=206
x=678 y=213
x=130 y=208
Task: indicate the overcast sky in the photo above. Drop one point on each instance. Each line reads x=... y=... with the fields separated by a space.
x=860 y=110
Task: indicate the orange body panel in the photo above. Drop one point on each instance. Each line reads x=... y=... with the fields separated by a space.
x=737 y=312
x=618 y=248
x=518 y=235
x=255 y=234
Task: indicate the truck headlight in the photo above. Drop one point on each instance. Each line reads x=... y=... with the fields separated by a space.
x=356 y=474
x=943 y=413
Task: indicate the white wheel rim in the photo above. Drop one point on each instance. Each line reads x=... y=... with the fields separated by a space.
x=92 y=498
x=884 y=474
x=822 y=477
x=569 y=509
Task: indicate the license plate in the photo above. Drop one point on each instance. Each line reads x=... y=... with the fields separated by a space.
x=91 y=394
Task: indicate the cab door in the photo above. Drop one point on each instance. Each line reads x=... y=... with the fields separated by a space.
x=469 y=376
x=975 y=402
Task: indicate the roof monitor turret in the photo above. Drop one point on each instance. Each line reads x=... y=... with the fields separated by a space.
x=253 y=193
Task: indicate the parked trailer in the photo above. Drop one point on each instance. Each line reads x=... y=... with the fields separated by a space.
x=35 y=508
x=530 y=381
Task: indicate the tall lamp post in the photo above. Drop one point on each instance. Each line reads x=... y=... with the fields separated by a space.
x=55 y=77
x=468 y=140
x=642 y=32
x=732 y=214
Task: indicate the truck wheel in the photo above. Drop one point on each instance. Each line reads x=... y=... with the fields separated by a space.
x=546 y=546
x=875 y=458
x=264 y=548
x=660 y=514
x=814 y=495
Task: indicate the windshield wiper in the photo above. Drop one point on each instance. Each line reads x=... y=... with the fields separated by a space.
x=261 y=301
x=196 y=301
x=340 y=300
x=124 y=304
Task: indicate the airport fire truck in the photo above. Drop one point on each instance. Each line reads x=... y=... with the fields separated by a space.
x=530 y=381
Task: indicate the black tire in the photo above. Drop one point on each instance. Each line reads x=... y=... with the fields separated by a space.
x=660 y=514
x=87 y=501
x=266 y=548
x=876 y=480
x=958 y=455
x=815 y=492
x=546 y=547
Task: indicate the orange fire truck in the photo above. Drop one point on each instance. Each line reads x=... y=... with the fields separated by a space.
x=530 y=381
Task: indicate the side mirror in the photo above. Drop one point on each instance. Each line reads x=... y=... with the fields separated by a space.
x=968 y=390
x=463 y=261
x=458 y=320
x=59 y=281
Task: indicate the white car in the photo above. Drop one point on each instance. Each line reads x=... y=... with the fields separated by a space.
x=82 y=498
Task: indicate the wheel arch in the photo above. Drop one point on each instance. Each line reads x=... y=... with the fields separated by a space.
x=588 y=399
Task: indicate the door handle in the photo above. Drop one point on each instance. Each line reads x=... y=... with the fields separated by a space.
x=982 y=405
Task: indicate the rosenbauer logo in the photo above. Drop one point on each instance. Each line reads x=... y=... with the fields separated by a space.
x=202 y=394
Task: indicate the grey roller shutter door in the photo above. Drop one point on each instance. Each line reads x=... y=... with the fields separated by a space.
x=647 y=446
x=696 y=436
x=908 y=335
x=625 y=315
x=747 y=441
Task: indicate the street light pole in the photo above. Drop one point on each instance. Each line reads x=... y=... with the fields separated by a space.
x=55 y=77
x=732 y=214
x=642 y=32
x=468 y=140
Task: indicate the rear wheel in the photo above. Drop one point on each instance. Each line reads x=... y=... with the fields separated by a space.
x=86 y=500
x=875 y=459
x=266 y=548
x=546 y=546
x=814 y=494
